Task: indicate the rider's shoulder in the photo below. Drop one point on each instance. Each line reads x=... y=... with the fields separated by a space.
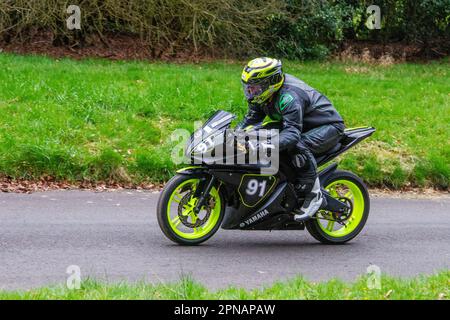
x=285 y=98
x=292 y=81
x=290 y=89
x=295 y=84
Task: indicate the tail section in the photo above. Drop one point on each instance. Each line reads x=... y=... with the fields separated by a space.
x=351 y=137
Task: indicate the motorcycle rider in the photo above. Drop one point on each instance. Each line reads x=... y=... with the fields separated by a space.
x=310 y=123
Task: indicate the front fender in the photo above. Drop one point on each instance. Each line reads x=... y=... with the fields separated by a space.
x=203 y=174
x=192 y=170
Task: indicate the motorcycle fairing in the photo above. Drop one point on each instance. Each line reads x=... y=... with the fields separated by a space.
x=254 y=188
x=270 y=215
x=259 y=211
x=273 y=211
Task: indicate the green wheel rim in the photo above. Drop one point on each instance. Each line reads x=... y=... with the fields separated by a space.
x=347 y=189
x=174 y=220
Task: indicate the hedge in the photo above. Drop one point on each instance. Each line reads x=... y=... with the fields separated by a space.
x=297 y=29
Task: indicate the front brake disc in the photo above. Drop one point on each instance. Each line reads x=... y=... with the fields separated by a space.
x=184 y=218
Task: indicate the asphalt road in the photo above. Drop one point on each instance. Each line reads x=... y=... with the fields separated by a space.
x=115 y=236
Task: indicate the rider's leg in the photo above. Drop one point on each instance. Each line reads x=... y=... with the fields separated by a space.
x=307 y=184
x=322 y=139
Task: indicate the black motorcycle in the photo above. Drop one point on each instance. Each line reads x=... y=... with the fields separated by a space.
x=201 y=198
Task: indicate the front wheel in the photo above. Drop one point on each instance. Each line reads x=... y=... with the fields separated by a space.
x=176 y=216
x=329 y=228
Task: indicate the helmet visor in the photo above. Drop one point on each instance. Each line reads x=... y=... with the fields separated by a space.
x=253 y=90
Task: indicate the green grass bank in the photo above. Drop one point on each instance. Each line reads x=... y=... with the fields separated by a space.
x=434 y=286
x=101 y=120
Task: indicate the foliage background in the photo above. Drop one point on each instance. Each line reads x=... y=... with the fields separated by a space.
x=296 y=29
x=96 y=120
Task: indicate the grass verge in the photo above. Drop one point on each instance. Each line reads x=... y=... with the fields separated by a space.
x=434 y=286
x=98 y=120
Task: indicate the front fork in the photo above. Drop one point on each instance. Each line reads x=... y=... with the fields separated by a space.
x=202 y=191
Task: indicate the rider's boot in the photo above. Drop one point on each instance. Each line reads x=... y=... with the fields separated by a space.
x=313 y=201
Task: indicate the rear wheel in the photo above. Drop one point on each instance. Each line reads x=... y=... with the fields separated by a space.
x=330 y=228
x=176 y=216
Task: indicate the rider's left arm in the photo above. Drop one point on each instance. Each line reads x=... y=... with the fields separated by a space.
x=292 y=113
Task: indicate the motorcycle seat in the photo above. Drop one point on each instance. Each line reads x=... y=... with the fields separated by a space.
x=333 y=149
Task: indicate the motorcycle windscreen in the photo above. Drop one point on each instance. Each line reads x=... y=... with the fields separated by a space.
x=219 y=121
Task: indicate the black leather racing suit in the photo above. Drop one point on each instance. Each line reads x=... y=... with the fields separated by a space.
x=310 y=126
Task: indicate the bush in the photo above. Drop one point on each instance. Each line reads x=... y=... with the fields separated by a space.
x=409 y=20
x=307 y=29
x=296 y=29
x=166 y=26
x=312 y=29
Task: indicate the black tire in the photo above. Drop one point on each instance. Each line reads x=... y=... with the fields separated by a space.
x=161 y=213
x=313 y=225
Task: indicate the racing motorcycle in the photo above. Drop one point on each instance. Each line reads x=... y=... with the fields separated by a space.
x=201 y=198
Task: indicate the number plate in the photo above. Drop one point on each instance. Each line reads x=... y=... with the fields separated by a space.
x=255 y=187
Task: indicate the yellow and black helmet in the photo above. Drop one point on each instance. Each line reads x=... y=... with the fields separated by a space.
x=261 y=78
